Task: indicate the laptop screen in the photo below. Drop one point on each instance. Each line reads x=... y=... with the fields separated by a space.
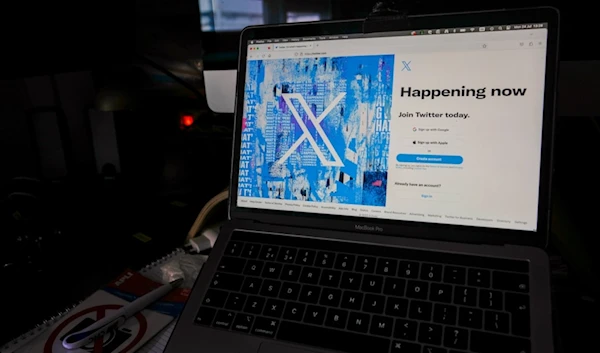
x=438 y=125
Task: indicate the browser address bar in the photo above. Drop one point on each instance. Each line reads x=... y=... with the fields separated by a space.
x=293 y=46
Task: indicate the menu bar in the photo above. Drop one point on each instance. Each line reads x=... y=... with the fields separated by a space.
x=422 y=32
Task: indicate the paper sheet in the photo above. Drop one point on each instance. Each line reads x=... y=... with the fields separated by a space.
x=159 y=342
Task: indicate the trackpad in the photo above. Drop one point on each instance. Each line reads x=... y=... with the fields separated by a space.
x=268 y=347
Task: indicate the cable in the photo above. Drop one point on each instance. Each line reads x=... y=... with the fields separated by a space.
x=206 y=240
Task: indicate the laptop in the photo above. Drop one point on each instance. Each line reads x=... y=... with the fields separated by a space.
x=389 y=190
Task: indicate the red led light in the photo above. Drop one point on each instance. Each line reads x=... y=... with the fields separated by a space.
x=187 y=120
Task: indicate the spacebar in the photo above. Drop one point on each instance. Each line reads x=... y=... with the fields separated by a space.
x=332 y=339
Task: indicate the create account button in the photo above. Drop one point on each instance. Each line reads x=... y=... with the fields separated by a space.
x=429 y=158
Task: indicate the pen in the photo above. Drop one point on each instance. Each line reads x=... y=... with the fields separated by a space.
x=101 y=327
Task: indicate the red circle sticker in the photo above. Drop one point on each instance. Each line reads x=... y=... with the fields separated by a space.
x=120 y=337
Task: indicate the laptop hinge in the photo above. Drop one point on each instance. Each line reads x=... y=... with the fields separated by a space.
x=489 y=240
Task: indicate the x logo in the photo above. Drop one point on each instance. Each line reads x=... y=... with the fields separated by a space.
x=406 y=66
x=337 y=162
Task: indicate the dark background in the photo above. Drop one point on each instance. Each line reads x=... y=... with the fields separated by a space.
x=76 y=232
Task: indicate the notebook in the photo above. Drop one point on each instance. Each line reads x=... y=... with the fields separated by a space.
x=157 y=324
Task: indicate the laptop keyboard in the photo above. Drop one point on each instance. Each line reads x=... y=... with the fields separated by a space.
x=367 y=298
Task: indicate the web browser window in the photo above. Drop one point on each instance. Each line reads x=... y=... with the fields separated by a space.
x=438 y=125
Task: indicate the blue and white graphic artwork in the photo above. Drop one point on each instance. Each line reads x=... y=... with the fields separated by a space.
x=317 y=129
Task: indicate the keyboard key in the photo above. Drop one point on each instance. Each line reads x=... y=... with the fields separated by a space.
x=325 y=259
x=231 y=264
x=287 y=255
x=408 y=269
x=289 y=291
x=330 y=278
x=358 y=322
x=254 y=305
x=268 y=253
x=416 y=289
x=386 y=267
x=344 y=262
x=455 y=337
x=351 y=280
x=251 y=285
x=444 y=314
x=330 y=297
x=336 y=318
x=478 y=277
x=253 y=268
x=235 y=302
x=430 y=333
x=242 y=322
x=272 y=270
x=396 y=307
x=518 y=306
x=431 y=272
x=405 y=347
x=381 y=325
x=490 y=299
x=310 y=275
x=352 y=300
x=394 y=286
x=205 y=316
x=495 y=321
x=405 y=329
x=465 y=296
x=234 y=248
x=294 y=311
x=251 y=251
x=455 y=275
x=431 y=349
x=227 y=281
x=372 y=284
x=365 y=264
x=515 y=282
x=440 y=292
x=315 y=315
x=493 y=343
x=270 y=288
x=215 y=298
x=224 y=319
x=332 y=339
x=290 y=273
x=469 y=317
x=306 y=257
x=374 y=303
x=265 y=327
x=310 y=294
x=420 y=310
x=274 y=308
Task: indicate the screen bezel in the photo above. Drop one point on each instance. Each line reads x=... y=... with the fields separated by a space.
x=440 y=231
